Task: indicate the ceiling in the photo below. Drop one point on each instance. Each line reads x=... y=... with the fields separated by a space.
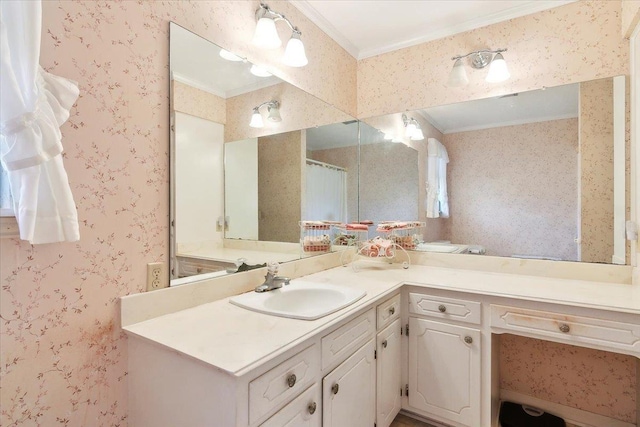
x=367 y=28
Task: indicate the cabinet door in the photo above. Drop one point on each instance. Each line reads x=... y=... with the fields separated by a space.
x=444 y=370
x=303 y=411
x=388 y=379
x=348 y=392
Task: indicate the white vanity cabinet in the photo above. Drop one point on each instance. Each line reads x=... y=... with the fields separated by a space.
x=303 y=411
x=444 y=371
x=348 y=392
x=389 y=374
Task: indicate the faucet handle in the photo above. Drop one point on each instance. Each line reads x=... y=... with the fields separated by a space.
x=272 y=268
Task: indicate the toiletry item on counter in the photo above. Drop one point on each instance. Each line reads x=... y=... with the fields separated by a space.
x=355 y=226
x=319 y=243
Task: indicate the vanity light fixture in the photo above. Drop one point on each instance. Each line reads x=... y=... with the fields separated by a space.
x=412 y=129
x=266 y=36
x=273 y=109
x=498 y=71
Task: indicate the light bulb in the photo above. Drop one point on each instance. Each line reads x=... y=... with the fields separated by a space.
x=230 y=56
x=410 y=129
x=274 y=114
x=256 y=119
x=417 y=135
x=294 y=54
x=258 y=71
x=266 y=35
x=498 y=71
x=458 y=76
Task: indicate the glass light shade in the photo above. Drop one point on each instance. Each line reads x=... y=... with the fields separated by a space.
x=498 y=71
x=294 y=54
x=417 y=135
x=458 y=76
x=256 y=120
x=258 y=71
x=410 y=130
x=388 y=137
x=274 y=115
x=266 y=35
x=396 y=139
x=229 y=56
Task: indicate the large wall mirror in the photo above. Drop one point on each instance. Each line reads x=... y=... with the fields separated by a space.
x=538 y=174
x=251 y=157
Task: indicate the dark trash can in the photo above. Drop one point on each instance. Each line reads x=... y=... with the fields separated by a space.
x=517 y=415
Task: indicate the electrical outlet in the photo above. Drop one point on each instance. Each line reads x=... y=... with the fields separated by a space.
x=156 y=276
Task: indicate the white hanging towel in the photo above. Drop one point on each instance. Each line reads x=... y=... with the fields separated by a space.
x=437 y=203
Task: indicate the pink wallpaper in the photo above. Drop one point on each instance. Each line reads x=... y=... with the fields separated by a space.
x=197 y=102
x=596 y=170
x=592 y=380
x=527 y=205
x=572 y=43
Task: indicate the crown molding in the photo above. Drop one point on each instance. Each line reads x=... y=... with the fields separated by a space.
x=306 y=7
x=510 y=123
x=266 y=82
x=318 y=19
x=197 y=84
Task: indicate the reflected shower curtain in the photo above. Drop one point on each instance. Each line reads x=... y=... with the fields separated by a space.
x=326 y=194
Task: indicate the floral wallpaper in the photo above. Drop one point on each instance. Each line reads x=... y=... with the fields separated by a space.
x=197 y=102
x=552 y=372
x=63 y=357
x=527 y=205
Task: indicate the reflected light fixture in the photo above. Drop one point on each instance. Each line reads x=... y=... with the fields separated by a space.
x=498 y=71
x=266 y=36
x=259 y=71
x=412 y=129
x=273 y=110
x=230 y=56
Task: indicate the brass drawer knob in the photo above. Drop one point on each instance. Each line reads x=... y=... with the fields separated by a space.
x=442 y=308
x=312 y=407
x=392 y=311
x=384 y=344
x=335 y=388
x=468 y=339
x=291 y=380
x=564 y=328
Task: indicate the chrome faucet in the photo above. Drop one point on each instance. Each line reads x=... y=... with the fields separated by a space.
x=272 y=280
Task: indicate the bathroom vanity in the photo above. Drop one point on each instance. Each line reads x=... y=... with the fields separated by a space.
x=423 y=340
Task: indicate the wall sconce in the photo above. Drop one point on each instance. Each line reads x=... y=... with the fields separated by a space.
x=273 y=109
x=498 y=71
x=412 y=129
x=266 y=36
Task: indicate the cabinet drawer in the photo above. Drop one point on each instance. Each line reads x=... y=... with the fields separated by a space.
x=388 y=311
x=348 y=338
x=445 y=308
x=303 y=411
x=571 y=328
x=279 y=385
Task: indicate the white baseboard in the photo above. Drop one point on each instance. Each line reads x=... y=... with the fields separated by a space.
x=571 y=415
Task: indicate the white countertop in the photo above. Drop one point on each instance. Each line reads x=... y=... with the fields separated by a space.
x=235 y=340
x=230 y=255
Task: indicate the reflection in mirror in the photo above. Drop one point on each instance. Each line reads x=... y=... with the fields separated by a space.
x=524 y=173
x=240 y=142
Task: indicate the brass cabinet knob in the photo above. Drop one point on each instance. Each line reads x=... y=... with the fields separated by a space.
x=335 y=388
x=291 y=380
x=564 y=328
x=312 y=407
x=384 y=344
x=468 y=339
x=392 y=311
x=442 y=308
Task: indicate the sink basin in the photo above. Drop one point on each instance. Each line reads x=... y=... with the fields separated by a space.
x=300 y=300
x=426 y=247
